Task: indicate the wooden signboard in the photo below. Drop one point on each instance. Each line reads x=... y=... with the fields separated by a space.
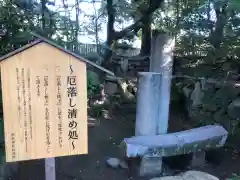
x=44 y=103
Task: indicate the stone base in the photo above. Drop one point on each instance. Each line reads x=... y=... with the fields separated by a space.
x=198 y=159
x=189 y=175
x=150 y=166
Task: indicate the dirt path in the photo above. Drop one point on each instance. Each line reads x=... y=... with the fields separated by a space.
x=103 y=143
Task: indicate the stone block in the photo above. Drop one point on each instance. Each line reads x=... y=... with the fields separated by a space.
x=171 y=144
x=198 y=159
x=189 y=175
x=150 y=166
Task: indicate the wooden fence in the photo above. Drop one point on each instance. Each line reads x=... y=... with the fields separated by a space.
x=87 y=50
x=91 y=50
x=135 y=63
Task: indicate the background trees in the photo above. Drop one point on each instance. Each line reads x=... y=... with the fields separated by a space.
x=206 y=28
x=200 y=25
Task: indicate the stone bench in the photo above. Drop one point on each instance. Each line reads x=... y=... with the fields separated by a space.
x=152 y=148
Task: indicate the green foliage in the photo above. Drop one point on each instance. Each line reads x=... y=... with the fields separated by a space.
x=1 y=131
x=13 y=21
x=175 y=93
x=233 y=4
x=2 y=150
x=1 y=120
x=97 y=110
x=201 y=29
x=17 y=21
x=234 y=177
x=93 y=83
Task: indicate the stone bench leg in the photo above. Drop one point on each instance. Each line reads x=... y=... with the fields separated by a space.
x=150 y=166
x=198 y=159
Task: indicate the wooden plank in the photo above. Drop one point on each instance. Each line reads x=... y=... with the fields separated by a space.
x=171 y=144
x=44 y=115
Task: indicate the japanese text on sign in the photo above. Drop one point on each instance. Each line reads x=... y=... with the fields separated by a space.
x=59 y=109
x=46 y=100
x=72 y=111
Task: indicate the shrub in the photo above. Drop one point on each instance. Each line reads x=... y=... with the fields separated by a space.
x=1 y=131
x=93 y=83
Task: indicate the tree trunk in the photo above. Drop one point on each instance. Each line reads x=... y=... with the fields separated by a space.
x=43 y=12
x=216 y=36
x=77 y=24
x=96 y=28
x=146 y=37
x=110 y=33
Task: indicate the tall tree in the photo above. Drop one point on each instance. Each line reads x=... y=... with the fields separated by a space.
x=145 y=16
x=146 y=28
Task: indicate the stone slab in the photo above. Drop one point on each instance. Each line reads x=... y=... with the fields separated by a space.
x=184 y=142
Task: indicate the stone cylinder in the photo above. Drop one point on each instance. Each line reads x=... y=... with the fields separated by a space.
x=148 y=101
x=161 y=61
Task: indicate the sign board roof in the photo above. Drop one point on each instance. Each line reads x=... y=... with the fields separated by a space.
x=50 y=42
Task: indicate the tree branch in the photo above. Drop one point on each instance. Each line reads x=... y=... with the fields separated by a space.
x=153 y=5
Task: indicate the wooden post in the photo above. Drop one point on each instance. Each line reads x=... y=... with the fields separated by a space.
x=161 y=61
x=50 y=171
x=148 y=97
